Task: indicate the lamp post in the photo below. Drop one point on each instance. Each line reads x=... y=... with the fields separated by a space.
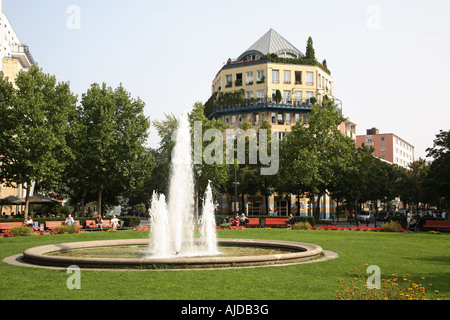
x=235 y=183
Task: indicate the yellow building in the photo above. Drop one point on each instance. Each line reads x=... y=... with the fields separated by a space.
x=272 y=80
x=14 y=57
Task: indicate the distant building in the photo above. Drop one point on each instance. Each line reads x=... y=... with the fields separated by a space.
x=14 y=57
x=388 y=146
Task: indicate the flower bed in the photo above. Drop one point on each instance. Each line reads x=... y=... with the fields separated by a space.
x=360 y=228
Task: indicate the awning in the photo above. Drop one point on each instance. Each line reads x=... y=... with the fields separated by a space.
x=40 y=198
x=11 y=200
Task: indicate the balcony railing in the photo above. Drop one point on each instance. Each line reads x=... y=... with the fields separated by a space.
x=230 y=104
x=22 y=51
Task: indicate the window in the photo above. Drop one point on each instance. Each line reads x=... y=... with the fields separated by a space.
x=305 y=119
x=298 y=96
x=260 y=96
x=274 y=118
x=288 y=119
x=310 y=78
x=249 y=78
x=280 y=118
x=228 y=80
x=249 y=118
x=238 y=79
x=240 y=119
x=249 y=94
x=287 y=76
x=382 y=139
x=260 y=76
x=233 y=121
x=256 y=119
x=287 y=96
x=275 y=76
x=309 y=95
x=383 y=148
x=298 y=77
x=297 y=117
x=227 y=120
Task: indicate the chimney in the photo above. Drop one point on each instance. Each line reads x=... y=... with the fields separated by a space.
x=372 y=131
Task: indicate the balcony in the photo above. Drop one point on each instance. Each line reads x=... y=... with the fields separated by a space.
x=23 y=54
x=234 y=106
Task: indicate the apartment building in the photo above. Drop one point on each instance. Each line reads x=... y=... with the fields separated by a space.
x=388 y=146
x=14 y=57
x=272 y=80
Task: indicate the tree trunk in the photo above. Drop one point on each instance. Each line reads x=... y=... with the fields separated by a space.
x=317 y=215
x=27 y=200
x=99 y=201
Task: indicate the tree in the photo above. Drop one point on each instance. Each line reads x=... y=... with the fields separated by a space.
x=411 y=186
x=216 y=172
x=109 y=135
x=298 y=163
x=310 y=53
x=34 y=124
x=437 y=181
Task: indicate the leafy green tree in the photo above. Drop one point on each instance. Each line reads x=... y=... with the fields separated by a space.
x=328 y=146
x=411 y=186
x=109 y=134
x=35 y=117
x=437 y=181
x=163 y=155
x=298 y=163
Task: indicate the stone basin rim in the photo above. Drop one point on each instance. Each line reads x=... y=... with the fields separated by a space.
x=37 y=255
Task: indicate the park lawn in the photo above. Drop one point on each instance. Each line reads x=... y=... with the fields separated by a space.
x=416 y=254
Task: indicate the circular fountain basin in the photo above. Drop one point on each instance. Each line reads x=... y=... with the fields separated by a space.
x=288 y=252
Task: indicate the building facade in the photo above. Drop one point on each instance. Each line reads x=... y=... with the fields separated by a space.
x=272 y=80
x=388 y=146
x=14 y=57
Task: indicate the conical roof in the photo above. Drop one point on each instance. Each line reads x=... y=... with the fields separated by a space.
x=272 y=42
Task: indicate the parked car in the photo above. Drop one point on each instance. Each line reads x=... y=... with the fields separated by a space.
x=366 y=216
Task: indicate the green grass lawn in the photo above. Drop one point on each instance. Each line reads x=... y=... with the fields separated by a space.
x=417 y=254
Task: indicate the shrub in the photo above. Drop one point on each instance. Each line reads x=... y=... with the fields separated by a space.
x=21 y=231
x=69 y=229
x=392 y=226
x=302 y=226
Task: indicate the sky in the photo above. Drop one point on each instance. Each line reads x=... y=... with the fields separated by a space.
x=388 y=59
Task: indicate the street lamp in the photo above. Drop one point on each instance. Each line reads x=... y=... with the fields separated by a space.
x=235 y=183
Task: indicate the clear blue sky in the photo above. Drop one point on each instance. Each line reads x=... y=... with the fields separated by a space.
x=389 y=59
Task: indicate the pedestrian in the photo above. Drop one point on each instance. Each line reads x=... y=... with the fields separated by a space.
x=409 y=218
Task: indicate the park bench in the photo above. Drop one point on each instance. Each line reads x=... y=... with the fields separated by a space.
x=252 y=222
x=275 y=222
x=436 y=224
x=106 y=224
x=50 y=225
x=6 y=226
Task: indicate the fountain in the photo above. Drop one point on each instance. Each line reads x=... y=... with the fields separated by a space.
x=172 y=242
x=173 y=224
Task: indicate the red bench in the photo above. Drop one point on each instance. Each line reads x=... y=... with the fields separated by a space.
x=437 y=224
x=276 y=222
x=252 y=222
x=50 y=225
x=91 y=224
x=6 y=226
